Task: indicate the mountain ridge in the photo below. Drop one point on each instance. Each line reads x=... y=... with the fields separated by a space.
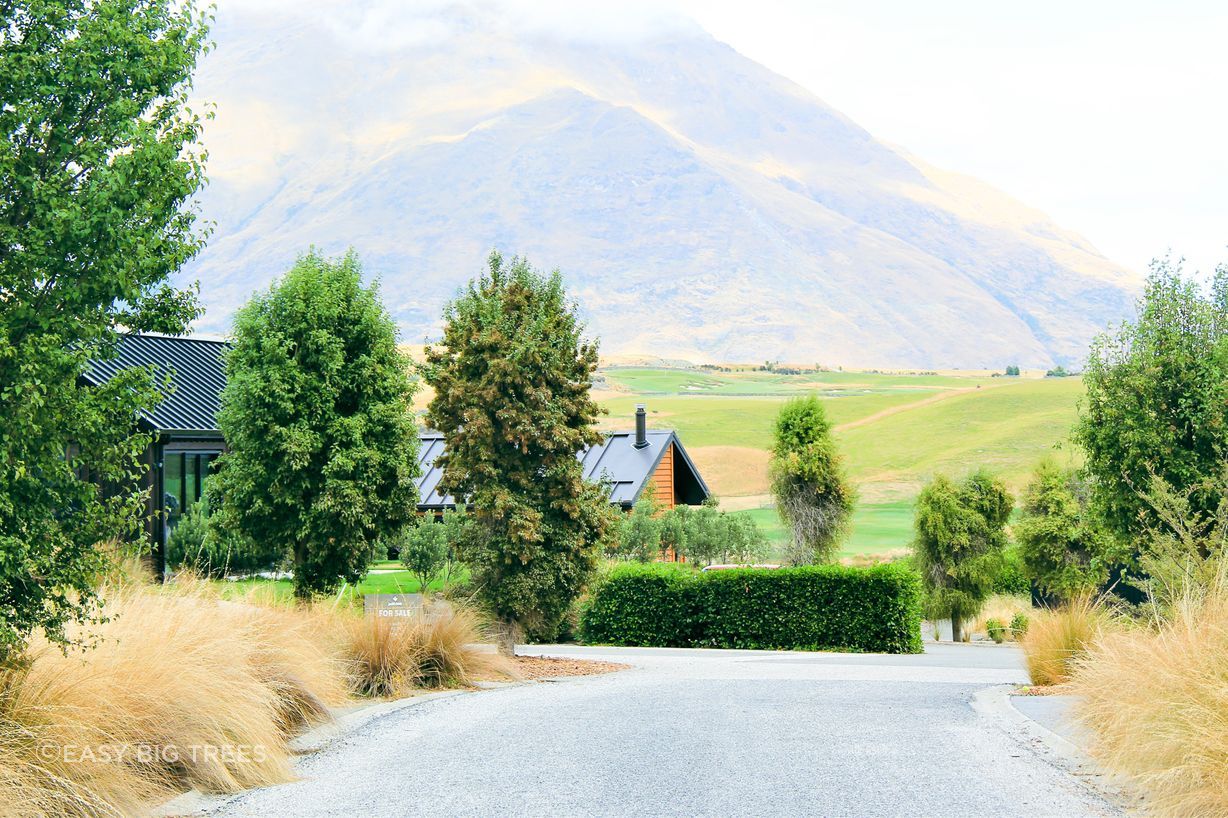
x=698 y=205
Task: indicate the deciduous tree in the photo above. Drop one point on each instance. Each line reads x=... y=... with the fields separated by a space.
x=1157 y=401
x=960 y=536
x=318 y=419
x=512 y=376
x=99 y=157
x=1064 y=549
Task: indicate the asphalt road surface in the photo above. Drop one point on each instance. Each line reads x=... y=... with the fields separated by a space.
x=692 y=733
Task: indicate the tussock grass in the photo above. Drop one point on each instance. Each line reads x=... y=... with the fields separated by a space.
x=1056 y=638
x=1156 y=702
x=389 y=657
x=180 y=688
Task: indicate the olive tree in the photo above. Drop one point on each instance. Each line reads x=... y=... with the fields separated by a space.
x=1063 y=547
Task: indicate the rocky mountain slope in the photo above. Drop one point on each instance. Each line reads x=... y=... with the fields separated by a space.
x=698 y=204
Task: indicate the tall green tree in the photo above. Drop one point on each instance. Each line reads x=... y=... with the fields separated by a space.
x=960 y=538
x=318 y=419
x=813 y=495
x=1064 y=549
x=99 y=156
x=512 y=376
x=1157 y=401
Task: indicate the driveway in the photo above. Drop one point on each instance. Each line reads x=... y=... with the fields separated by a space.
x=690 y=732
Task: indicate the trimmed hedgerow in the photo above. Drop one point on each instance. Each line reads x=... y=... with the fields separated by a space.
x=827 y=607
x=636 y=604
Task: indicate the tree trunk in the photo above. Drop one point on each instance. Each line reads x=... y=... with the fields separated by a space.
x=956 y=635
x=507 y=632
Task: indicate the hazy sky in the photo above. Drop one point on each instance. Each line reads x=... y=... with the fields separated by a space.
x=1110 y=116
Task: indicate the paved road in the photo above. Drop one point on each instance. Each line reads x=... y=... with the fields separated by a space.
x=693 y=733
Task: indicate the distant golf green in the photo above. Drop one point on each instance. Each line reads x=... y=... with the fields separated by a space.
x=878 y=528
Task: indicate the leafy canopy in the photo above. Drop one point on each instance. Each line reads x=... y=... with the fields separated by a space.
x=318 y=419
x=1157 y=401
x=1062 y=544
x=98 y=159
x=813 y=496
x=511 y=377
x=960 y=538
x=428 y=547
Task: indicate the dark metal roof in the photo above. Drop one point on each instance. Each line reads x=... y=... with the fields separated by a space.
x=196 y=370
x=615 y=461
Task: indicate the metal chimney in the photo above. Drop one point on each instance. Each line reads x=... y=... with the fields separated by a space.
x=641 y=426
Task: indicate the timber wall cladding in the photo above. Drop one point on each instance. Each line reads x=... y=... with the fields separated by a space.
x=663 y=479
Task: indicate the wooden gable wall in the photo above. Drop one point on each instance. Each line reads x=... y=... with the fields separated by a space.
x=663 y=479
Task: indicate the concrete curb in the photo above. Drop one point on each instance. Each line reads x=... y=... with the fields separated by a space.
x=194 y=802
x=993 y=703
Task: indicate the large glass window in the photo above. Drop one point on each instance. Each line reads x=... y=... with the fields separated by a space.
x=172 y=487
x=184 y=477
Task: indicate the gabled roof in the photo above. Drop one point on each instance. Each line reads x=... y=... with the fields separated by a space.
x=615 y=461
x=195 y=368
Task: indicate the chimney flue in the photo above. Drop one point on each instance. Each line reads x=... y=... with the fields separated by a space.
x=641 y=426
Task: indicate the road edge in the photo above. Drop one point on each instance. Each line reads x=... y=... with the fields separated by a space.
x=993 y=703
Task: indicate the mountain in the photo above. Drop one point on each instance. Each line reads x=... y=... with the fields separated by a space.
x=699 y=205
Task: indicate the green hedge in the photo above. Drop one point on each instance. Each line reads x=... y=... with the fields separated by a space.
x=826 y=607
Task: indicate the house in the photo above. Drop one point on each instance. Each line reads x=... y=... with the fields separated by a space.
x=628 y=462
x=184 y=425
x=187 y=441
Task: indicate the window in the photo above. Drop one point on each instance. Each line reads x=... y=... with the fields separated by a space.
x=184 y=476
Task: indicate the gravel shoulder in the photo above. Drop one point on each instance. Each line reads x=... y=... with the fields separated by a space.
x=697 y=732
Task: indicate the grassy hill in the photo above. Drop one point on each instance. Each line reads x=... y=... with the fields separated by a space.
x=896 y=430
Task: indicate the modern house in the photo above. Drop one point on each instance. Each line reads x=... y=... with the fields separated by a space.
x=628 y=462
x=187 y=441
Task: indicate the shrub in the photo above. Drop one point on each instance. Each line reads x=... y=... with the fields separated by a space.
x=171 y=669
x=807 y=608
x=649 y=605
x=1154 y=701
x=1057 y=637
x=1011 y=578
x=1019 y=625
x=389 y=657
x=995 y=630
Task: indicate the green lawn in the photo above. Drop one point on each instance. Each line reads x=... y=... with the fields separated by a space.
x=1004 y=424
x=397 y=582
x=877 y=528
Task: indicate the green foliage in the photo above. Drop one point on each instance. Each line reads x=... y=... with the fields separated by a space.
x=651 y=605
x=960 y=537
x=1157 y=401
x=318 y=419
x=1057 y=372
x=1019 y=625
x=702 y=535
x=1011 y=578
x=813 y=496
x=1184 y=555
x=428 y=547
x=995 y=630
x=1062 y=544
x=808 y=608
x=98 y=159
x=512 y=376
x=201 y=546
x=639 y=533
x=1012 y=371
